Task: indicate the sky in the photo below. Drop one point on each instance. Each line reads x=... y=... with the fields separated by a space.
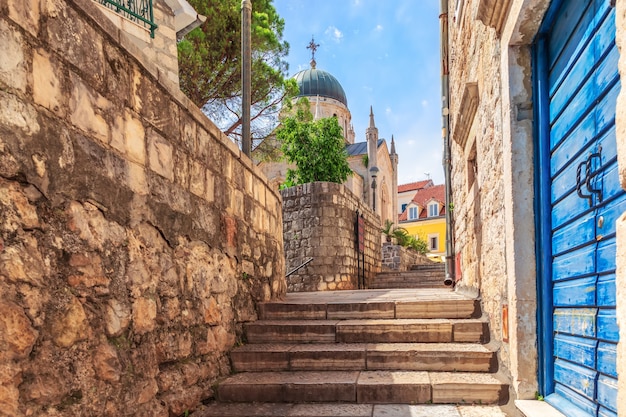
x=385 y=54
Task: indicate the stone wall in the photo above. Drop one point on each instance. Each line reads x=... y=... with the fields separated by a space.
x=478 y=200
x=491 y=108
x=399 y=258
x=134 y=237
x=319 y=222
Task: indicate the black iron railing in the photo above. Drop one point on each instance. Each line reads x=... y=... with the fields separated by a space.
x=139 y=11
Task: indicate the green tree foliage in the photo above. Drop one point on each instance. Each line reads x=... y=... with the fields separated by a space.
x=210 y=65
x=316 y=147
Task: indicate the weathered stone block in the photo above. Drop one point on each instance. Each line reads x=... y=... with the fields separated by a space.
x=15 y=114
x=87 y=110
x=144 y=315
x=76 y=40
x=13 y=64
x=160 y=155
x=71 y=325
x=106 y=363
x=117 y=318
x=198 y=179
x=17 y=336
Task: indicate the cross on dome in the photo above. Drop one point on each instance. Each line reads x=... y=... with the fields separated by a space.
x=313 y=47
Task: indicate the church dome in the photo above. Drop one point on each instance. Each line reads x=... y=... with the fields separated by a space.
x=314 y=82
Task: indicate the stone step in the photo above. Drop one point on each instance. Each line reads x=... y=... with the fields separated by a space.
x=429 y=267
x=377 y=285
x=443 y=305
x=465 y=357
x=427 y=278
x=366 y=387
x=345 y=410
x=368 y=331
x=410 y=275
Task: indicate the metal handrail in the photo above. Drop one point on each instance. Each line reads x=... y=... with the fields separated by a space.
x=134 y=10
x=305 y=263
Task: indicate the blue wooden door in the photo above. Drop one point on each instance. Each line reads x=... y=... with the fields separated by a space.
x=579 y=201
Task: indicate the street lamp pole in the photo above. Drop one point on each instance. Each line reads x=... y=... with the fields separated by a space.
x=374 y=174
x=246 y=76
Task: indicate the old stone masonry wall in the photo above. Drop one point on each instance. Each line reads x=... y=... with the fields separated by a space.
x=134 y=237
x=319 y=223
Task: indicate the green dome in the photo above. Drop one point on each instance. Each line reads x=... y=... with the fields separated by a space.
x=314 y=82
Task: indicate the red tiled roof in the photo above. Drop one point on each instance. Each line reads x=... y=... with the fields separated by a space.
x=436 y=192
x=415 y=186
x=423 y=197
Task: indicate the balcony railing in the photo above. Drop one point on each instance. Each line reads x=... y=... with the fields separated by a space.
x=139 y=11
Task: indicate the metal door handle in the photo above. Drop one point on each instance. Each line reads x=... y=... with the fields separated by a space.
x=589 y=175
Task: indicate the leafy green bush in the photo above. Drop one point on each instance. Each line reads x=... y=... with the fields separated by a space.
x=403 y=238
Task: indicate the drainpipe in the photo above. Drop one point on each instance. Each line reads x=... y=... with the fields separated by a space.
x=445 y=119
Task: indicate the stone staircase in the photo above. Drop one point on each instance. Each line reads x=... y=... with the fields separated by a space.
x=419 y=276
x=346 y=351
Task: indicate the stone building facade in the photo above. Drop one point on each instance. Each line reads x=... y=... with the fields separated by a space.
x=509 y=206
x=135 y=238
x=320 y=223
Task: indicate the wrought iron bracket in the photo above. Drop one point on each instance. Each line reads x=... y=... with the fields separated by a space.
x=585 y=174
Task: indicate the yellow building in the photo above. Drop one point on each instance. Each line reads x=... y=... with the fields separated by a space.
x=425 y=217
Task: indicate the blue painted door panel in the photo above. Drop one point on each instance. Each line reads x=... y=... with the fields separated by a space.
x=578 y=85
x=575 y=377
x=576 y=321
x=607 y=359
x=577 y=292
x=574 y=235
x=569 y=22
x=606 y=290
x=562 y=180
x=584 y=74
x=602 y=117
x=584 y=101
x=576 y=350
x=571 y=402
x=576 y=263
x=607 y=325
x=607 y=392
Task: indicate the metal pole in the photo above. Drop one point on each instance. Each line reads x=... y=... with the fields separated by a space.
x=246 y=76
x=447 y=163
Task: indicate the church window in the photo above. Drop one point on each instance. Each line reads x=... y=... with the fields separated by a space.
x=412 y=213
x=433 y=210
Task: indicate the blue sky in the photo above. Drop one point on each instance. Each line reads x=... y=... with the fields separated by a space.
x=384 y=54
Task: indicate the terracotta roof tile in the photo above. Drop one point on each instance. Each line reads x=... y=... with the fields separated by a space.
x=436 y=192
x=415 y=186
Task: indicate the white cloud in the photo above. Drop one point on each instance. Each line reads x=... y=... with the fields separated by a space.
x=388 y=110
x=334 y=33
x=379 y=28
x=356 y=3
x=424 y=103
